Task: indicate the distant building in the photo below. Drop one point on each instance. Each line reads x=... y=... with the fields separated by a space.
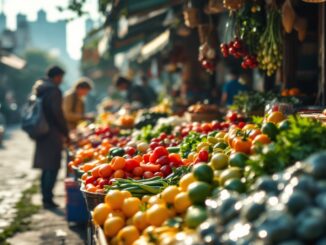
x=3 y=22
x=44 y=35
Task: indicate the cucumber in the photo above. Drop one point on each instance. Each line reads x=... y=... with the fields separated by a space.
x=174 y=149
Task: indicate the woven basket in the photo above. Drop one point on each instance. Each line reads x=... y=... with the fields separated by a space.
x=215 y=7
x=92 y=199
x=233 y=4
x=77 y=173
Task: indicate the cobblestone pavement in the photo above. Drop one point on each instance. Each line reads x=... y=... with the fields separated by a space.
x=50 y=227
x=16 y=172
x=47 y=227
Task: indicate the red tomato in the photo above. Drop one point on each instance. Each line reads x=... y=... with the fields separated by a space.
x=153 y=145
x=131 y=164
x=105 y=170
x=152 y=158
x=241 y=124
x=163 y=160
x=166 y=170
x=216 y=125
x=160 y=151
x=128 y=175
x=206 y=127
x=146 y=157
x=150 y=167
x=103 y=182
x=175 y=157
x=138 y=171
x=130 y=150
x=162 y=136
x=148 y=175
x=174 y=164
x=160 y=174
x=203 y=155
x=90 y=180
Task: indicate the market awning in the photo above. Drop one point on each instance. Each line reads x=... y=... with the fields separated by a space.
x=156 y=45
x=12 y=61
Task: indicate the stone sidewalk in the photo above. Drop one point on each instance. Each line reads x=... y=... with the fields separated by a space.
x=16 y=172
x=46 y=227
x=50 y=227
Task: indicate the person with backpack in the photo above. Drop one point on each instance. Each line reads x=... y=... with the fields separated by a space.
x=49 y=146
x=74 y=103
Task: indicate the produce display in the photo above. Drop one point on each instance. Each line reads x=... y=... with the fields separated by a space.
x=235 y=181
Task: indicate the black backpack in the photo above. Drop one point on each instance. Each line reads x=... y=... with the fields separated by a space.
x=34 y=122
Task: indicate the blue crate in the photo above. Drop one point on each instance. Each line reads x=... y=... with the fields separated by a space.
x=76 y=210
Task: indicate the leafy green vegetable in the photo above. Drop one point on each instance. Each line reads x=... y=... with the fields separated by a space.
x=189 y=143
x=304 y=137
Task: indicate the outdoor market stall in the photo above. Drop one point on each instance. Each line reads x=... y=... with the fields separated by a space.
x=252 y=174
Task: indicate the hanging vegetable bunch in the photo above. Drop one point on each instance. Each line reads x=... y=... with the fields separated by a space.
x=270 y=44
x=248 y=26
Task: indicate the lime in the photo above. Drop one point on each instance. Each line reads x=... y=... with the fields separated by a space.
x=198 y=192
x=203 y=172
x=270 y=129
x=238 y=159
x=219 y=161
x=220 y=145
x=235 y=185
x=212 y=140
x=195 y=216
x=230 y=173
x=284 y=125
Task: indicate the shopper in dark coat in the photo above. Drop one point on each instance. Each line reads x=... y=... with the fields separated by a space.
x=48 y=149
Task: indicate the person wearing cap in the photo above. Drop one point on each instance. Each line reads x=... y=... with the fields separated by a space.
x=48 y=149
x=74 y=102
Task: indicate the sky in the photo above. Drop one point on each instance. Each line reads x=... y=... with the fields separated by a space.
x=75 y=28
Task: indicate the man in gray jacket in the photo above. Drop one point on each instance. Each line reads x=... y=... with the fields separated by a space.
x=48 y=149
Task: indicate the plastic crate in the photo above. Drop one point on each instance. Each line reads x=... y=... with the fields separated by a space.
x=76 y=209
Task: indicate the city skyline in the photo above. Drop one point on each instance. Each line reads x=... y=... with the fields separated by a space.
x=75 y=28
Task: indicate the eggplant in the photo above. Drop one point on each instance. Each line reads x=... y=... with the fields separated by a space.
x=276 y=226
x=266 y=183
x=315 y=165
x=311 y=224
x=296 y=201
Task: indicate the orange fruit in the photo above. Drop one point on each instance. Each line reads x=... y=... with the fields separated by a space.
x=88 y=166
x=115 y=199
x=118 y=163
x=119 y=174
x=118 y=213
x=181 y=202
x=139 y=220
x=157 y=214
x=113 y=225
x=130 y=206
x=100 y=213
x=105 y=170
x=169 y=193
x=261 y=138
x=186 y=180
x=128 y=235
x=126 y=194
x=275 y=117
x=95 y=171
